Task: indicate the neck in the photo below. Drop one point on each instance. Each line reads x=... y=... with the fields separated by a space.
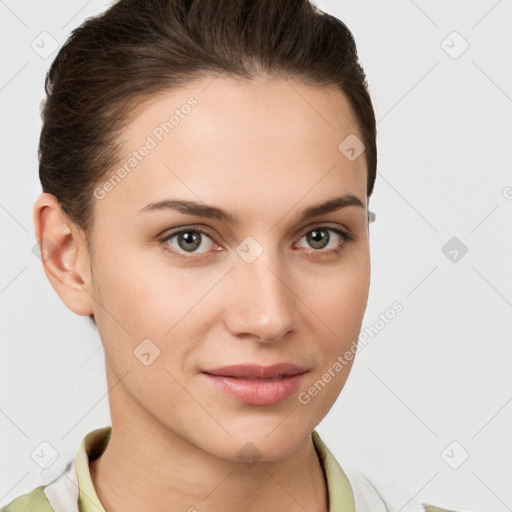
x=145 y=466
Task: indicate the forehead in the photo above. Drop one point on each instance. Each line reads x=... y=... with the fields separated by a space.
x=214 y=138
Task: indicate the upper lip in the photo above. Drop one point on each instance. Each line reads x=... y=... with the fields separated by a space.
x=256 y=371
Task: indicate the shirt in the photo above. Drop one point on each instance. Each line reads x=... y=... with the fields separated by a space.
x=73 y=490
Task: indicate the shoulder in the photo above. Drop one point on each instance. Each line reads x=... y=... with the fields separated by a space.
x=33 y=501
x=61 y=494
x=370 y=497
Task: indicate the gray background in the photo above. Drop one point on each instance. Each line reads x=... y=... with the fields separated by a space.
x=434 y=385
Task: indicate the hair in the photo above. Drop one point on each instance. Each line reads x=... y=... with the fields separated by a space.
x=115 y=61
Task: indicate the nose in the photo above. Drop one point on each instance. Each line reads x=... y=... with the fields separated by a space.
x=262 y=299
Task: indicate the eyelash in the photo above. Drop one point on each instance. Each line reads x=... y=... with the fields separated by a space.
x=346 y=237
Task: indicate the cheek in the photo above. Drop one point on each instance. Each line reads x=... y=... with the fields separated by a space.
x=126 y=293
x=138 y=292
x=340 y=298
x=143 y=297
x=339 y=305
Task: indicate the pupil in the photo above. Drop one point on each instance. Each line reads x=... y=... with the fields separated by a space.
x=189 y=239
x=318 y=233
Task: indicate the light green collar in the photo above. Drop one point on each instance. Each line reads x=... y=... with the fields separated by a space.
x=341 y=498
x=94 y=443
x=92 y=446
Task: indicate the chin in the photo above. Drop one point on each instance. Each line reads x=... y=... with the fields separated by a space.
x=257 y=441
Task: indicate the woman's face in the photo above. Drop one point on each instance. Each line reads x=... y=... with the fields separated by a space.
x=260 y=284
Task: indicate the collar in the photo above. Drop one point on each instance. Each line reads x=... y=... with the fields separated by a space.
x=341 y=498
x=91 y=447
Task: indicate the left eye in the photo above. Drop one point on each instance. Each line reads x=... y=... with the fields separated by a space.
x=318 y=238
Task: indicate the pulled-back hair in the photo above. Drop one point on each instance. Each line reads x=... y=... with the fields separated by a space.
x=136 y=48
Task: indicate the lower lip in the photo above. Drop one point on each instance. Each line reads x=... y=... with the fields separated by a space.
x=258 y=392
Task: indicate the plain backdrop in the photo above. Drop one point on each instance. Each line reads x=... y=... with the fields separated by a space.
x=427 y=404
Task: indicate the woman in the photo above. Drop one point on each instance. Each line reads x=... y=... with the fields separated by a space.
x=206 y=169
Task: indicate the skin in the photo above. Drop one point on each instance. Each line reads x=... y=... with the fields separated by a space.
x=265 y=151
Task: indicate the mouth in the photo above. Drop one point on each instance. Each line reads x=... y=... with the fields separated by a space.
x=257 y=385
x=256 y=372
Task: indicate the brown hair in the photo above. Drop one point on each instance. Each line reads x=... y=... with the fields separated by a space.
x=137 y=48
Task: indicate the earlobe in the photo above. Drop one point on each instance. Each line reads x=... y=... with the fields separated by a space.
x=64 y=254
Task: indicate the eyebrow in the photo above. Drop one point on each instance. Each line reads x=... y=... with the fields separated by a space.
x=189 y=207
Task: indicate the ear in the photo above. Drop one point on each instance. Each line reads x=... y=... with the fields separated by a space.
x=64 y=254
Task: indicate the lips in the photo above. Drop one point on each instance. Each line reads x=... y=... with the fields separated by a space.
x=257 y=385
x=255 y=372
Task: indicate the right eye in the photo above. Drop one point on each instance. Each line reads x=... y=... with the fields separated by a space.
x=187 y=241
